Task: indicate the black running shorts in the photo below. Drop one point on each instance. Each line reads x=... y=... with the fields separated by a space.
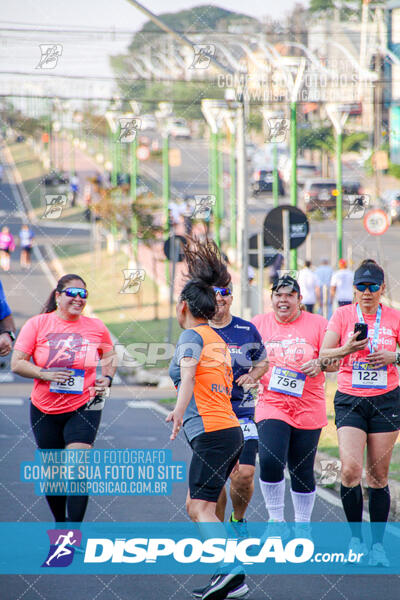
x=215 y=453
x=249 y=453
x=56 y=431
x=373 y=414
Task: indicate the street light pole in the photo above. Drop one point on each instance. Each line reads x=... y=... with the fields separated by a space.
x=134 y=222
x=166 y=194
x=275 y=181
x=215 y=184
x=232 y=171
x=294 y=87
x=242 y=226
x=293 y=179
x=338 y=115
x=339 y=197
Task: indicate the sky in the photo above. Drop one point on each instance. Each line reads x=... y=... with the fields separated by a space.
x=81 y=54
x=120 y=13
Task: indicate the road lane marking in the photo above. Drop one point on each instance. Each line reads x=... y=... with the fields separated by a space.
x=7 y=377
x=11 y=401
x=148 y=404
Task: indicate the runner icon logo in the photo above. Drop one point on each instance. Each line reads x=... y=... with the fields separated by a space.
x=277 y=130
x=202 y=55
x=55 y=203
x=50 y=53
x=203 y=207
x=128 y=128
x=330 y=471
x=61 y=551
x=133 y=280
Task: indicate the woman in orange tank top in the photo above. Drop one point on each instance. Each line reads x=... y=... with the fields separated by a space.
x=202 y=373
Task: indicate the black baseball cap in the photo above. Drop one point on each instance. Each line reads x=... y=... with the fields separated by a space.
x=370 y=273
x=286 y=281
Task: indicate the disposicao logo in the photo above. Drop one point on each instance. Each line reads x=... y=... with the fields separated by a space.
x=62 y=542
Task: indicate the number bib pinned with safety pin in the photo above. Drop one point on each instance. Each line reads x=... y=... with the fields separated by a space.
x=365 y=375
x=73 y=385
x=287 y=381
x=249 y=429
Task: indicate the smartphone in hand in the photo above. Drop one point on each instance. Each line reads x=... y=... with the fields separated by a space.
x=362 y=328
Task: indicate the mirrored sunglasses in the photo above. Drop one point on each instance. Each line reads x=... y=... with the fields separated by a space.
x=373 y=287
x=73 y=292
x=222 y=291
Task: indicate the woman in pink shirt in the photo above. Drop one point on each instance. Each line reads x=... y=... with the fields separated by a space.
x=290 y=412
x=7 y=245
x=367 y=403
x=66 y=403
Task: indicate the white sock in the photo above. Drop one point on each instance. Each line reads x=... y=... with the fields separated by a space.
x=274 y=498
x=303 y=505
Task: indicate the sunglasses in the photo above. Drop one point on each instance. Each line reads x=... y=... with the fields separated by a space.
x=373 y=287
x=73 y=292
x=222 y=291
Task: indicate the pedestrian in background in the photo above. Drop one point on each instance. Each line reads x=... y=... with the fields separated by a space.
x=26 y=237
x=275 y=269
x=342 y=284
x=74 y=187
x=7 y=325
x=7 y=245
x=324 y=275
x=309 y=286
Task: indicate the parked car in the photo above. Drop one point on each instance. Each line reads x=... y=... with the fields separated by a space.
x=305 y=170
x=389 y=201
x=125 y=179
x=262 y=181
x=321 y=193
x=56 y=180
x=148 y=123
x=178 y=128
x=251 y=150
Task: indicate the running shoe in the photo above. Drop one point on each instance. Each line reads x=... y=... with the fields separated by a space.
x=239 y=592
x=222 y=585
x=239 y=526
x=303 y=530
x=357 y=547
x=276 y=529
x=377 y=556
x=198 y=592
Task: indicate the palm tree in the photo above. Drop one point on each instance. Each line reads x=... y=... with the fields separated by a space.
x=324 y=140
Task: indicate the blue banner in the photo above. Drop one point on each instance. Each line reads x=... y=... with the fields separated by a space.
x=179 y=548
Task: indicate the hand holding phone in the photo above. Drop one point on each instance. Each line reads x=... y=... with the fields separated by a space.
x=362 y=328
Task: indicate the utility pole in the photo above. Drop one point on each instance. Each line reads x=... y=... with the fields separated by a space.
x=338 y=116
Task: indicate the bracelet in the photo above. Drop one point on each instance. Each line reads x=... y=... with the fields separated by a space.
x=322 y=365
x=110 y=378
x=397 y=361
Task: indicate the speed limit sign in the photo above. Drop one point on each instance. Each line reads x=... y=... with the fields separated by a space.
x=376 y=222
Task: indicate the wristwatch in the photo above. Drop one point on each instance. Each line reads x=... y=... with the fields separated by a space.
x=397 y=361
x=110 y=378
x=10 y=333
